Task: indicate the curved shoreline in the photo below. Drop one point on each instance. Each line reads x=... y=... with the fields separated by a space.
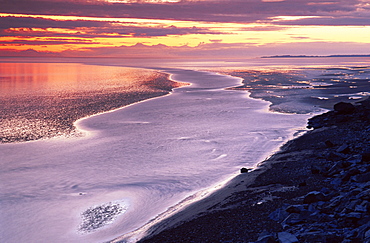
x=172 y=225
x=56 y=113
x=74 y=186
x=86 y=131
x=277 y=199
x=188 y=208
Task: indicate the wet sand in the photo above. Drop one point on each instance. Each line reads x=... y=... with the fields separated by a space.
x=33 y=117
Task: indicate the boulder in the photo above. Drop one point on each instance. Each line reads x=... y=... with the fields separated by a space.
x=313 y=197
x=344 y=149
x=293 y=219
x=266 y=237
x=285 y=237
x=344 y=108
x=279 y=214
x=244 y=170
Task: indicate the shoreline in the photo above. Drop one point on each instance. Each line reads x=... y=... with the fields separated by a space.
x=245 y=209
x=164 y=219
x=66 y=109
x=177 y=84
x=74 y=154
x=189 y=213
x=235 y=192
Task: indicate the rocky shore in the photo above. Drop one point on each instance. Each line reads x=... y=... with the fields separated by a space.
x=316 y=189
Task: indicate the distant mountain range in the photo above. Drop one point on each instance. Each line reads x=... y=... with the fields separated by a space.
x=305 y=56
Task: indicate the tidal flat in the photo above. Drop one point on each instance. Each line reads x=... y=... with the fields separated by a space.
x=43 y=100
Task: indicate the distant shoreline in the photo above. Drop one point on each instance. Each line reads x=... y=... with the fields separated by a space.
x=309 y=56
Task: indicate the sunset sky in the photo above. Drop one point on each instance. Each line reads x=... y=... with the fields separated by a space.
x=183 y=28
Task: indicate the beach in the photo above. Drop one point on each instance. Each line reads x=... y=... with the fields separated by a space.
x=134 y=163
x=303 y=193
x=137 y=166
x=241 y=211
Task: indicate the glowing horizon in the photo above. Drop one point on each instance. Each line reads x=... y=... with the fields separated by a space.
x=124 y=28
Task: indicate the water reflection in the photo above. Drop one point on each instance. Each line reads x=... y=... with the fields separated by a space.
x=41 y=100
x=26 y=78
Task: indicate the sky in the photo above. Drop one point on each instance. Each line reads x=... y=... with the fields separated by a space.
x=183 y=28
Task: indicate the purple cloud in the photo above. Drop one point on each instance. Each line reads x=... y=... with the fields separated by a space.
x=47 y=42
x=332 y=21
x=217 y=11
x=29 y=22
x=89 y=29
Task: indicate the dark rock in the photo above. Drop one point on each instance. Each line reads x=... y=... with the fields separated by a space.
x=266 y=237
x=362 y=207
x=334 y=238
x=316 y=169
x=335 y=169
x=336 y=182
x=285 y=237
x=279 y=214
x=366 y=156
x=345 y=164
x=333 y=156
x=313 y=197
x=361 y=178
x=294 y=209
x=367 y=235
x=355 y=192
x=329 y=144
x=293 y=219
x=334 y=202
x=344 y=149
x=365 y=195
x=244 y=170
x=303 y=183
x=327 y=191
x=344 y=108
x=352 y=219
x=354 y=215
x=356 y=159
x=347 y=175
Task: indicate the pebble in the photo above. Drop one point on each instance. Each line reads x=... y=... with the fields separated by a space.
x=341 y=211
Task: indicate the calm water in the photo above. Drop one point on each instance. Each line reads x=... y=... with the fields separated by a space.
x=134 y=163
x=41 y=100
x=53 y=78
